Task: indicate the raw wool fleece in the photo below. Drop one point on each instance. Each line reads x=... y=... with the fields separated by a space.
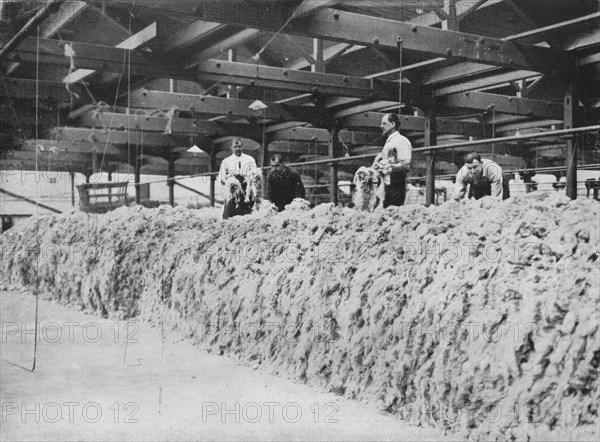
x=476 y=317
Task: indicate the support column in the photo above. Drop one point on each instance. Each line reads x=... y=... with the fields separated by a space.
x=212 y=168
x=233 y=91
x=319 y=65
x=95 y=168
x=171 y=179
x=430 y=140
x=570 y=105
x=263 y=161
x=334 y=146
x=72 y=176
x=452 y=21
x=137 y=167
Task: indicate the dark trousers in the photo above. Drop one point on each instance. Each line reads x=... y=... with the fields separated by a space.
x=395 y=192
x=229 y=208
x=485 y=189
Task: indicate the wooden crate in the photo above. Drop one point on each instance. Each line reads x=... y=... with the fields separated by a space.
x=102 y=197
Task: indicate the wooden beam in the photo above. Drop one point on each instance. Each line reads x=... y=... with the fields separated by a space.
x=411 y=123
x=338 y=25
x=96 y=57
x=178 y=126
x=246 y=74
x=136 y=41
x=55 y=22
x=329 y=54
x=53 y=161
x=502 y=103
x=190 y=36
x=100 y=137
x=59 y=147
x=18 y=88
x=313 y=134
x=467 y=71
x=584 y=23
x=224 y=106
x=483 y=83
x=238 y=39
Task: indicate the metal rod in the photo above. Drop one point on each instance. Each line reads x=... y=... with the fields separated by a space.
x=171 y=181
x=29 y=200
x=440 y=147
x=539 y=169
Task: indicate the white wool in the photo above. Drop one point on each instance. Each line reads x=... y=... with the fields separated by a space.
x=233 y=190
x=369 y=189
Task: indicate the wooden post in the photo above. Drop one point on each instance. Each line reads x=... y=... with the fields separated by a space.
x=213 y=178
x=171 y=179
x=263 y=160
x=233 y=91
x=430 y=140
x=95 y=168
x=333 y=176
x=452 y=22
x=319 y=65
x=570 y=105
x=72 y=176
x=137 y=173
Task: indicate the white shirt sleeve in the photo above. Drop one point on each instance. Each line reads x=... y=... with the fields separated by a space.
x=404 y=152
x=223 y=171
x=460 y=186
x=493 y=172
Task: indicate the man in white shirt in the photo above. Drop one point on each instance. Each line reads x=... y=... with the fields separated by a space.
x=484 y=178
x=237 y=165
x=394 y=161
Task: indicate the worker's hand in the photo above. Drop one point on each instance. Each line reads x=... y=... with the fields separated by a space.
x=377 y=160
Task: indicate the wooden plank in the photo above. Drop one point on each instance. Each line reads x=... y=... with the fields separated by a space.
x=99 y=137
x=224 y=106
x=246 y=74
x=502 y=103
x=91 y=56
x=179 y=126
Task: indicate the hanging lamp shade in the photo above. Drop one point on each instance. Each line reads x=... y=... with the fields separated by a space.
x=195 y=149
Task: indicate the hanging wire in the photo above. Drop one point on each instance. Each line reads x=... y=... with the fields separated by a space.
x=37 y=198
x=400 y=44
x=493 y=131
x=129 y=99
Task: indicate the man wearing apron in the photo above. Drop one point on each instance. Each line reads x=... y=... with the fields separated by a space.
x=393 y=161
x=240 y=165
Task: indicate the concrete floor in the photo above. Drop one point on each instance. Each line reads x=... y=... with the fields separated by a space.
x=89 y=384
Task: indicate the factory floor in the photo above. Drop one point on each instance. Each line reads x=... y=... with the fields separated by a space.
x=100 y=379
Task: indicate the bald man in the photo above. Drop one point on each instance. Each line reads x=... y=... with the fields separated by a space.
x=394 y=161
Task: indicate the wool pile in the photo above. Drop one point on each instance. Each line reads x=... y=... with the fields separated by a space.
x=480 y=318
